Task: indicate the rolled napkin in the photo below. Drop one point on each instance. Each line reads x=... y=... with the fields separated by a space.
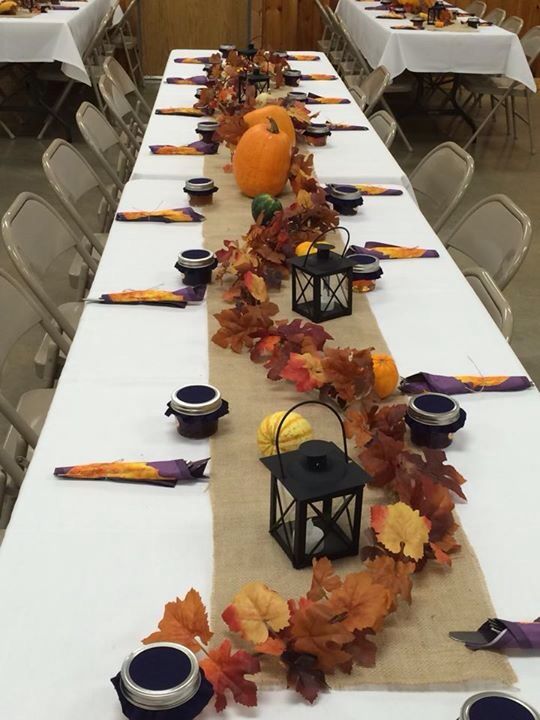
x=189 y=111
x=318 y=76
x=199 y=147
x=314 y=99
x=195 y=80
x=300 y=57
x=161 y=472
x=194 y=60
x=345 y=126
x=176 y=215
x=375 y=7
x=390 y=16
x=376 y=190
x=461 y=384
x=167 y=298
x=62 y=7
x=386 y=251
x=405 y=27
x=496 y=634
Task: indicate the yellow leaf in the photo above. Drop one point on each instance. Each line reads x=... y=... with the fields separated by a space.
x=255 y=610
x=401 y=529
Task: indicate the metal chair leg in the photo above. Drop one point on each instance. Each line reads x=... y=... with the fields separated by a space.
x=400 y=132
x=514 y=119
x=502 y=100
x=530 y=122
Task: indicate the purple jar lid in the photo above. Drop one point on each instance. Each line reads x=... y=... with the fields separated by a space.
x=196 y=400
x=434 y=409
x=497 y=706
x=200 y=186
x=345 y=192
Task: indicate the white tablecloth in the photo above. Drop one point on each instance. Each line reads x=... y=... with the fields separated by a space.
x=86 y=567
x=489 y=51
x=368 y=160
x=59 y=35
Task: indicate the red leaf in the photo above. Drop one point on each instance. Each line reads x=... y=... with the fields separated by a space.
x=226 y=672
x=349 y=372
x=303 y=675
x=381 y=457
x=304 y=370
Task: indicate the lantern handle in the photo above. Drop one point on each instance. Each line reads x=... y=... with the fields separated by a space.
x=338 y=227
x=310 y=402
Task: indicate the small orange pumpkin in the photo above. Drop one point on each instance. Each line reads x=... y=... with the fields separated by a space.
x=277 y=113
x=262 y=159
x=386 y=374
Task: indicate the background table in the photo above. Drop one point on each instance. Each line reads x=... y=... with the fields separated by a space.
x=490 y=51
x=368 y=159
x=86 y=567
x=59 y=35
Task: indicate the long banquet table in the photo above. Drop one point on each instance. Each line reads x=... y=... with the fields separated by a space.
x=486 y=51
x=85 y=567
x=59 y=35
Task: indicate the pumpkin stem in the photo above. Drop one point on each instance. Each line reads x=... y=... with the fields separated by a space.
x=272 y=126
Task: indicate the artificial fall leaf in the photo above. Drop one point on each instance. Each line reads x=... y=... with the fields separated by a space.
x=303 y=674
x=444 y=474
x=226 y=672
x=271 y=646
x=381 y=457
x=434 y=502
x=256 y=610
x=324 y=579
x=305 y=371
x=364 y=603
x=356 y=426
x=301 y=170
x=299 y=114
x=256 y=286
x=400 y=529
x=393 y=574
x=228 y=168
x=349 y=372
x=182 y=622
x=240 y=326
x=363 y=652
x=388 y=419
x=316 y=630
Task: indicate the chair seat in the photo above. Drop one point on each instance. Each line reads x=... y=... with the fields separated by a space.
x=33 y=407
x=73 y=312
x=101 y=240
x=404 y=83
x=491 y=85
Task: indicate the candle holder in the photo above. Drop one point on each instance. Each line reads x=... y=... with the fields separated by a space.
x=200 y=190
x=291 y=77
x=206 y=129
x=197 y=409
x=225 y=50
x=316 y=496
x=196 y=266
x=366 y=271
x=344 y=198
x=317 y=135
x=433 y=418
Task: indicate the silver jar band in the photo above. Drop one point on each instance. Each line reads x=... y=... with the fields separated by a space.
x=204 y=408
x=196 y=262
x=435 y=419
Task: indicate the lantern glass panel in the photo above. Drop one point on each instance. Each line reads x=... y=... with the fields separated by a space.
x=334 y=292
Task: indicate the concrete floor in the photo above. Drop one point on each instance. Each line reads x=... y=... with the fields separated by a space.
x=502 y=166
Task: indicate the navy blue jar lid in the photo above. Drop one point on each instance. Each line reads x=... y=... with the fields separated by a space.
x=290 y=72
x=366 y=266
x=196 y=258
x=496 y=706
x=160 y=676
x=434 y=409
x=297 y=96
x=200 y=186
x=207 y=126
x=345 y=192
x=317 y=130
x=196 y=400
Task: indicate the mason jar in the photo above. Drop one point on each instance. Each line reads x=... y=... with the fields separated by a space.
x=200 y=190
x=206 y=129
x=197 y=409
x=317 y=135
x=433 y=418
x=291 y=77
x=496 y=706
x=162 y=680
x=344 y=198
x=366 y=271
x=196 y=266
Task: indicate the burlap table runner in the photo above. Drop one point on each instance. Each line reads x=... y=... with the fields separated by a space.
x=414 y=648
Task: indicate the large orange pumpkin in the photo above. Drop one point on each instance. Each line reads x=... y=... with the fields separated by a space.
x=262 y=159
x=277 y=113
x=386 y=374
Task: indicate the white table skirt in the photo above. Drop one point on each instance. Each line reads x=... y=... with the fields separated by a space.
x=368 y=160
x=59 y=35
x=490 y=51
x=86 y=567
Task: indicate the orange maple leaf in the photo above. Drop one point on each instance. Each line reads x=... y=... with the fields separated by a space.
x=304 y=370
x=356 y=426
x=316 y=630
x=393 y=574
x=226 y=671
x=271 y=646
x=255 y=610
x=256 y=286
x=324 y=579
x=400 y=529
x=183 y=621
x=365 y=602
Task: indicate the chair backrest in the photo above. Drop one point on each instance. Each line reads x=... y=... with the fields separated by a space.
x=10 y=467
x=359 y=97
x=76 y=183
x=121 y=112
x=513 y=24
x=117 y=75
x=495 y=16
x=373 y=87
x=19 y=313
x=35 y=236
x=385 y=126
x=353 y=47
x=477 y=7
x=440 y=180
x=106 y=144
x=530 y=43
x=495 y=235
x=93 y=47
x=492 y=298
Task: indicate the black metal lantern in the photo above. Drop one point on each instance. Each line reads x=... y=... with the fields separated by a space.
x=257 y=79
x=315 y=498
x=248 y=52
x=322 y=282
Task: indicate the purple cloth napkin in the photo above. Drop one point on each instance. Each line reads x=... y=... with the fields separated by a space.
x=163 y=298
x=461 y=384
x=161 y=472
x=194 y=80
x=314 y=99
x=496 y=634
x=386 y=251
x=199 y=147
